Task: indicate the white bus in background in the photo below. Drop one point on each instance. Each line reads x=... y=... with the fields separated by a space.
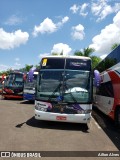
x=64 y=89
x=30 y=85
x=107 y=93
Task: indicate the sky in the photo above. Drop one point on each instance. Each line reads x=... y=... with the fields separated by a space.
x=32 y=29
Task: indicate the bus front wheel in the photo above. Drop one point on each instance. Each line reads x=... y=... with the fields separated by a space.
x=117 y=118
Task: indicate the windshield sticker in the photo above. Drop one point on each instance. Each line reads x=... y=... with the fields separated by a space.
x=59 y=98
x=44 y=62
x=77 y=64
x=77 y=107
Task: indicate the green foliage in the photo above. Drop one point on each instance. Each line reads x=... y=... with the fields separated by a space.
x=57 y=54
x=115 y=45
x=78 y=53
x=54 y=54
x=28 y=67
x=95 y=61
x=5 y=72
x=87 y=53
x=25 y=69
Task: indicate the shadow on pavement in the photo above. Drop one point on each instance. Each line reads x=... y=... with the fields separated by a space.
x=11 y=99
x=108 y=126
x=27 y=102
x=55 y=125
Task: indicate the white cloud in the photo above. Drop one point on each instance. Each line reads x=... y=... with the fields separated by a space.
x=78 y=32
x=83 y=7
x=110 y=35
x=13 y=20
x=64 y=20
x=15 y=66
x=101 y=9
x=116 y=20
x=61 y=48
x=17 y=62
x=80 y=9
x=116 y=7
x=13 y=39
x=74 y=8
x=3 y=67
x=17 y=59
x=48 y=26
x=103 y=56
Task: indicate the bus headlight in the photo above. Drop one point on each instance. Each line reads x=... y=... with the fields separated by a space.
x=87 y=111
x=39 y=108
x=84 y=111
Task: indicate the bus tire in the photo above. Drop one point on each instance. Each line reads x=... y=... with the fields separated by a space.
x=117 y=117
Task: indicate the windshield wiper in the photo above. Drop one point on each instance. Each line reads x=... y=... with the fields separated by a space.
x=61 y=97
x=74 y=99
x=56 y=89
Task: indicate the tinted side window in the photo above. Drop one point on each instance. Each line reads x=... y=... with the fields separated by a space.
x=112 y=59
x=106 y=89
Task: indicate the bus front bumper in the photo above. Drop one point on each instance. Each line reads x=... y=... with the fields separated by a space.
x=73 y=118
x=12 y=96
x=29 y=97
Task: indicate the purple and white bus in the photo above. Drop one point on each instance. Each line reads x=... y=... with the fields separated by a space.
x=64 y=89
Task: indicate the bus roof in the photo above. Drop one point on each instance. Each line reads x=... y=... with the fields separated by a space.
x=72 y=57
x=110 y=60
x=16 y=72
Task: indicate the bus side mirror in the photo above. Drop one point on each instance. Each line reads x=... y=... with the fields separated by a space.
x=97 y=78
x=30 y=74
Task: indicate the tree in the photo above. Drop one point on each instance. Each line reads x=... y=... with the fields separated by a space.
x=115 y=45
x=57 y=54
x=87 y=53
x=6 y=72
x=78 y=53
x=28 y=67
x=54 y=54
x=95 y=61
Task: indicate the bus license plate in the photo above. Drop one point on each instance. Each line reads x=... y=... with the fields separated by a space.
x=61 y=118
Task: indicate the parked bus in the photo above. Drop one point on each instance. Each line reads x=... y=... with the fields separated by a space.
x=64 y=89
x=107 y=94
x=1 y=85
x=2 y=79
x=30 y=85
x=13 y=85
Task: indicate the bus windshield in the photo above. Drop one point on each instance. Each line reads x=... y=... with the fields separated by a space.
x=14 y=80
x=29 y=83
x=73 y=85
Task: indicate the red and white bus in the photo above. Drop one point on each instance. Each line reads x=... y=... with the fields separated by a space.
x=107 y=93
x=2 y=79
x=13 y=85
